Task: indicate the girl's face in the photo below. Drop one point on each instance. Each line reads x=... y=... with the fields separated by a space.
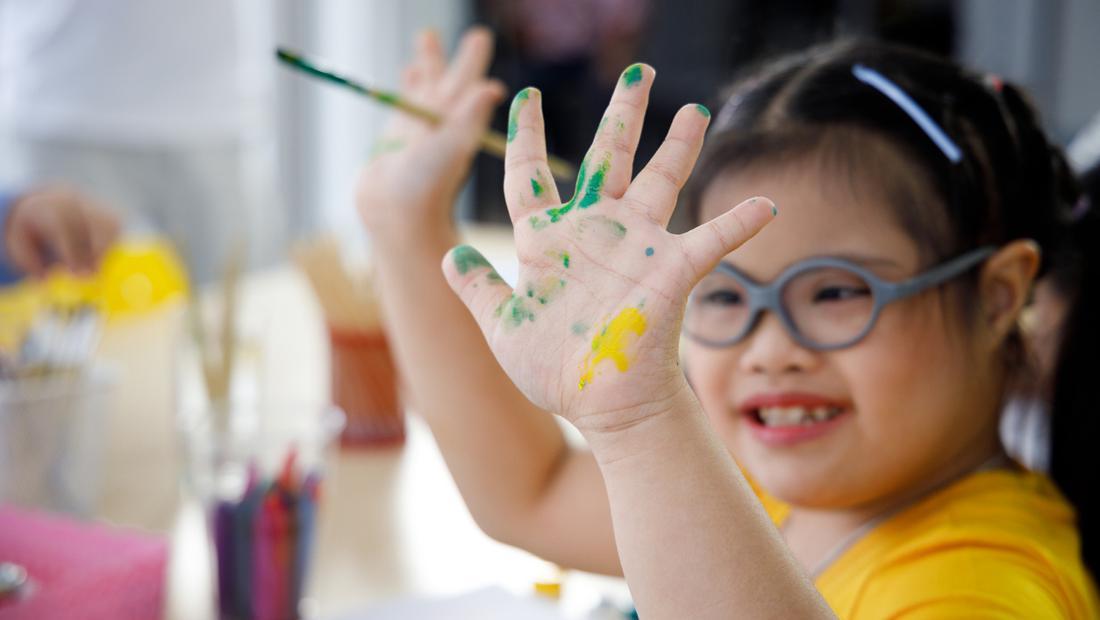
x=916 y=403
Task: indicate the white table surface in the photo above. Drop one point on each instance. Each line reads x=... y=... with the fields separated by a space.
x=392 y=523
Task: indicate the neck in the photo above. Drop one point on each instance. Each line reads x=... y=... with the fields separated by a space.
x=812 y=532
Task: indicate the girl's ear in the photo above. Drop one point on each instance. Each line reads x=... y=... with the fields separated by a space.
x=1005 y=286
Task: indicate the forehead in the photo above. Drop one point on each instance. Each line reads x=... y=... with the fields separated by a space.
x=821 y=213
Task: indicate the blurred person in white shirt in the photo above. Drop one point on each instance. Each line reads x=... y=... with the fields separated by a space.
x=160 y=108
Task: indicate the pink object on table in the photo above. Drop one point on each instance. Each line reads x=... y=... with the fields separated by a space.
x=81 y=570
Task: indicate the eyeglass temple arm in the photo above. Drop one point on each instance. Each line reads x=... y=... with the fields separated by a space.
x=937 y=275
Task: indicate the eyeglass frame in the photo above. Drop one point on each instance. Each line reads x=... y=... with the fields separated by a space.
x=769 y=296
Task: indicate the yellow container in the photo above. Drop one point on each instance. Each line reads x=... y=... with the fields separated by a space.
x=136 y=276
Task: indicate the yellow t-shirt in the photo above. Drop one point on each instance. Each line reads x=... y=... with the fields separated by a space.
x=996 y=544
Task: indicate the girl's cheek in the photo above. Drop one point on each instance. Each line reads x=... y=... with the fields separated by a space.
x=709 y=372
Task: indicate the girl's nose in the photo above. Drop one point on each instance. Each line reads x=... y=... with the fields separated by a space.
x=770 y=349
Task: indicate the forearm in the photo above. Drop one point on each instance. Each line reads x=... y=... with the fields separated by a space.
x=693 y=539
x=501 y=450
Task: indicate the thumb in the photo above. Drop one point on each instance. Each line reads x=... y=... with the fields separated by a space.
x=477 y=284
x=708 y=243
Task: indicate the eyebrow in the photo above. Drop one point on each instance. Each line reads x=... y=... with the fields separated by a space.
x=868 y=261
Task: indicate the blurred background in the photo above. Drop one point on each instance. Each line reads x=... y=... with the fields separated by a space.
x=220 y=161
x=166 y=108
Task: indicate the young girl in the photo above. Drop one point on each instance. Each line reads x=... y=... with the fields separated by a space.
x=853 y=355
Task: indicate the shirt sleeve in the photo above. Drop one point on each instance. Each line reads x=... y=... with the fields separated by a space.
x=8 y=273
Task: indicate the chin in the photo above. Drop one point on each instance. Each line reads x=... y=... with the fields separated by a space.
x=804 y=482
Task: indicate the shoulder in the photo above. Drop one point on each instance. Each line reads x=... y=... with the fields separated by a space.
x=998 y=544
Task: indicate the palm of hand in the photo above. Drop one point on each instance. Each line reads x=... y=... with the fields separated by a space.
x=591 y=330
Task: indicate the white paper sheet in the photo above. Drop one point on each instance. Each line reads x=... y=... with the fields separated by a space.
x=491 y=603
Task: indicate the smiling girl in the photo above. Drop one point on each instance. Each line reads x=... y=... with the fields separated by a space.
x=851 y=349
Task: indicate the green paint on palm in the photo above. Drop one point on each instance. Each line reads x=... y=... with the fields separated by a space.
x=565 y=259
x=702 y=110
x=579 y=329
x=649 y=251
x=514 y=311
x=632 y=75
x=556 y=213
x=536 y=188
x=467 y=258
x=587 y=191
x=617 y=228
x=594 y=185
x=603 y=223
x=538 y=224
x=386 y=145
x=513 y=112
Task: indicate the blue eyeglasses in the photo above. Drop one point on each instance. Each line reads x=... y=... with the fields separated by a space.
x=824 y=303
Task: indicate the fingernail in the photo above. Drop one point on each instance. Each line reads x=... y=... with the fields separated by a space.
x=632 y=75
x=513 y=112
x=775 y=210
x=702 y=109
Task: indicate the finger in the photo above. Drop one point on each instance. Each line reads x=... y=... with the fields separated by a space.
x=419 y=83
x=479 y=286
x=609 y=164
x=528 y=184
x=470 y=117
x=410 y=81
x=470 y=62
x=708 y=243
x=51 y=241
x=74 y=239
x=24 y=252
x=430 y=59
x=658 y=185
x=103 y=229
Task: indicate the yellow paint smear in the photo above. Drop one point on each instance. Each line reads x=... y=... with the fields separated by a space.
x=611 y=343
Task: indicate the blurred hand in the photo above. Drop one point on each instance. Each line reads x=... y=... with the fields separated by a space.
x=58 y=226
x=591 y=331
x=409 y=186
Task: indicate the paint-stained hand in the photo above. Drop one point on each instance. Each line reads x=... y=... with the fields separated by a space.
x=408 y=186
x=57 y=226
x=592 y=329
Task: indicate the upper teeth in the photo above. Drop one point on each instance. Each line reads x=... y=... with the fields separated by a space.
x=791 y=416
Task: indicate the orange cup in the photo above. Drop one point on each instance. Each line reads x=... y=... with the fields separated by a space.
x=364 y=385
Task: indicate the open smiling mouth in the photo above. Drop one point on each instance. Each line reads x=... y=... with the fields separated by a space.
x=794 y=416
x=784 y=419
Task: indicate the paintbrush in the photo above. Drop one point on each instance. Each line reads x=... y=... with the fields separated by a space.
x=348 y=301
x=493 y=142
x=217 y=364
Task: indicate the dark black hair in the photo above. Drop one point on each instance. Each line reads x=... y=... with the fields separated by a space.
x=1010 y=183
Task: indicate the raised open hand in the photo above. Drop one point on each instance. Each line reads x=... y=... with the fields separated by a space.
x=407 y=188
x=591 y=330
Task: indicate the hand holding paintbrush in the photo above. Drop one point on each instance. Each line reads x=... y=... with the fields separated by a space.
x=491 y=142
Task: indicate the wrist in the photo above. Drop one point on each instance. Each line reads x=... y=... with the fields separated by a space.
x=652 y=427
x=401 y=242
